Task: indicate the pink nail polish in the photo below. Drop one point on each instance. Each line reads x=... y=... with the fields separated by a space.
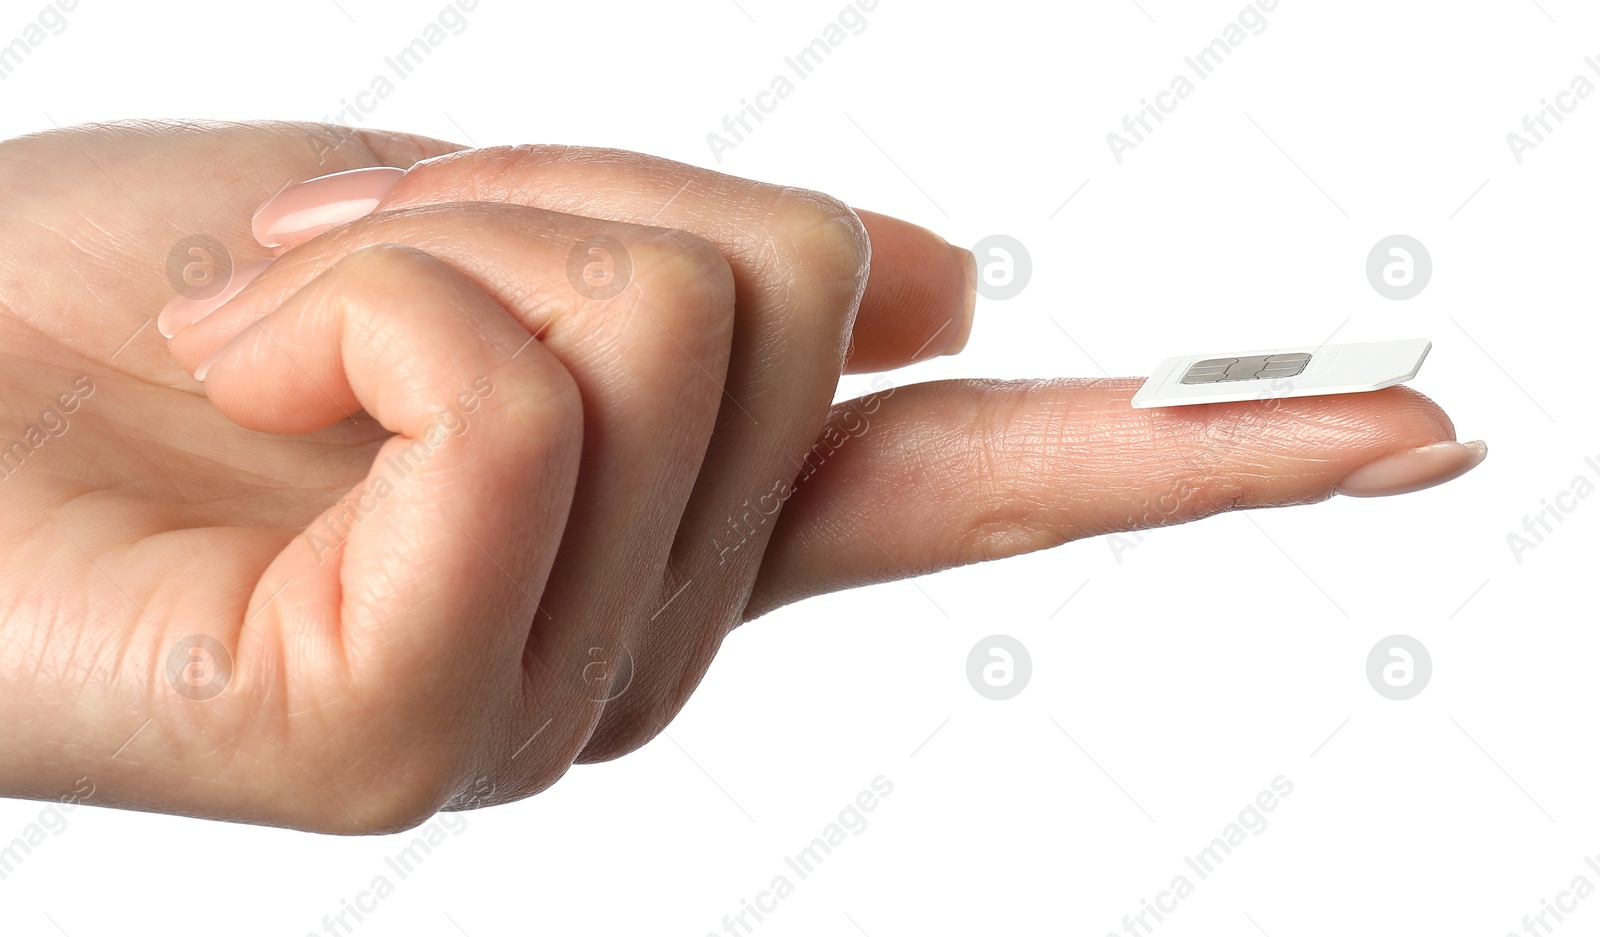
x=1413 y=469
x=205 y=366
x=180 y=312
x=305 y=210
x=969 y=263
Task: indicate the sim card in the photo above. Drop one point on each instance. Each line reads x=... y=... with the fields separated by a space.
x=1282 y=372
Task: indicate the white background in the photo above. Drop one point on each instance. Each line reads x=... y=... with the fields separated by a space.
x=1171 y=683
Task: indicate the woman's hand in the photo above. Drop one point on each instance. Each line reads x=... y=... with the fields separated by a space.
x=478 y=480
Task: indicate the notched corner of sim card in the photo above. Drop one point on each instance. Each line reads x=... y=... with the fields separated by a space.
x=1282 y=372
x=1146 y=395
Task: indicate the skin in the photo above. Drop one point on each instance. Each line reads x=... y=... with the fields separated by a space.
x=459 y=645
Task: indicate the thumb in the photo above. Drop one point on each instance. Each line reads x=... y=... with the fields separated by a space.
x=926 y=477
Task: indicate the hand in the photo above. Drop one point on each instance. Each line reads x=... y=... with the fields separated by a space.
x=477 y=481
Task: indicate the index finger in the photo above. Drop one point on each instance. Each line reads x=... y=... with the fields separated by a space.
x=920 y=292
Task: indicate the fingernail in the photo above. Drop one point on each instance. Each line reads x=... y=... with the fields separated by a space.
x=200 y=371
x=1413 y=469
x=305 y=210
x=969 y=263
x=180 y=312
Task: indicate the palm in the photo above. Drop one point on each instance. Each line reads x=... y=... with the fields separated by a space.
x=159 y=514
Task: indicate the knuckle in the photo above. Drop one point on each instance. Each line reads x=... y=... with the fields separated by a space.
x=533 y=766
x=372 y=277
x=683 y=273
x=549 y=398
x=382 y=264
x=824 y=238
x=685 y=287
x=407 y=797
x=1003 y=449
x=656 y=696
x=639 y=721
